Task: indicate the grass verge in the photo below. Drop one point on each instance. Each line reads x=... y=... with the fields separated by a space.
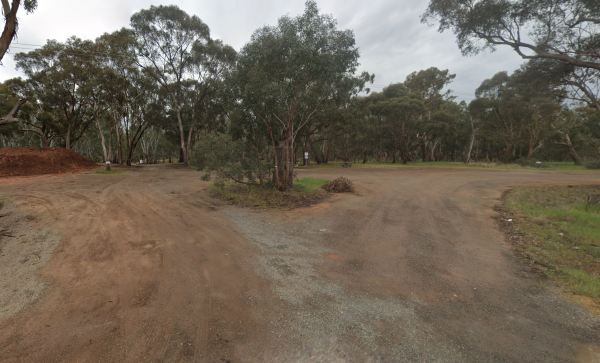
x=306 y=191
x=548 y=166
x=557 y=234
x=111 y=172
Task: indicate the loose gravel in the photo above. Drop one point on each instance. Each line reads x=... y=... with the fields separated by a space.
x=324 y=322
x=25 y=247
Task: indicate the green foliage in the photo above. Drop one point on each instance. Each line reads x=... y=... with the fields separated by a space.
x=564 y=30
x=230 y=160
x=290 y=74
x=184 y=60
x=30 y=5
x=593 y=165
x=559 y=37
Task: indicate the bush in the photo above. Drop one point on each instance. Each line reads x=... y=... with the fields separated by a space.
x=230 y=160
x=523 y=162
x=339 y=185
x=593 y=164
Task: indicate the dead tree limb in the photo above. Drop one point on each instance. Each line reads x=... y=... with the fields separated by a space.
x=10 y=118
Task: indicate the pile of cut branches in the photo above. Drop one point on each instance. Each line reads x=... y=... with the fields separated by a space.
x=339 y=185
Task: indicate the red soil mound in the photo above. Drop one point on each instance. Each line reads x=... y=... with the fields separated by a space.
x=23 y=161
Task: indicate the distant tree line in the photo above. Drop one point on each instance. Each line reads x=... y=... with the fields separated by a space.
x=164 y=89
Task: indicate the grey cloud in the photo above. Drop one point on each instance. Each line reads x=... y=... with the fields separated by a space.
x=392 y=41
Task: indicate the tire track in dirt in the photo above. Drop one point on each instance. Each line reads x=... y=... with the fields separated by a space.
x=142 y=275
x=151 y=269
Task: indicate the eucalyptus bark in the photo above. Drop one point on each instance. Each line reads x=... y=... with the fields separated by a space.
x=569 y=145
x=102 y=138
x=424 y=150
x=10 y=25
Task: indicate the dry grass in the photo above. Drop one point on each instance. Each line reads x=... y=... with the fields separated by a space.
x=339 y=185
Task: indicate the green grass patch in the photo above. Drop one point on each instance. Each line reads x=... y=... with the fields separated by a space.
x=562 y=234
x=547 y=166
x=306 y=191
x=309 y=184
x=111 y=172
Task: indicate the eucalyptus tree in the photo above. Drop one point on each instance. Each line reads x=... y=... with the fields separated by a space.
x=499 y=111
x=567 y=124
x=289 y=73
x=121 y=77
x=429 y=84
x=37 y=116
x=400 y=109
x=211 y=61
x=11 y=23
x=565 y=31
x=542 y=103
x=60 y=73
x=179 y=54
x=575 y=84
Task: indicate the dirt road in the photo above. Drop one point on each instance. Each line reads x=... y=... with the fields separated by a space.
x=410 y=268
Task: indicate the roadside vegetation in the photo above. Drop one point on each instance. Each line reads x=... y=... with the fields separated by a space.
x=560 y=234
x=306 y=191
x=550 y=166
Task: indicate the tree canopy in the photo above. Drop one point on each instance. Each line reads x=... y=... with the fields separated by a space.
x=561 y=30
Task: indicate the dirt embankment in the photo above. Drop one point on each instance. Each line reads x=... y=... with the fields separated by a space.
x=25 y=161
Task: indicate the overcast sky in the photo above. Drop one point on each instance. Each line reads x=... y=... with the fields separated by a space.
x=392 y=41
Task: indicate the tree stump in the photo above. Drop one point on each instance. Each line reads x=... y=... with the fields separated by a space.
x=593 y=199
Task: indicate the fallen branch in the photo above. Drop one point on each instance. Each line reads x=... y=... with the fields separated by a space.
x=10 y=118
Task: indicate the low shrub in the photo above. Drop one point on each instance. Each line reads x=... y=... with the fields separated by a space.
x=593 y=165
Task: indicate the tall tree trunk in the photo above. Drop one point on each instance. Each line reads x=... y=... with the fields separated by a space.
x=395 y=150
x=184 y=155
x=404 y=157
x=507 y=153
x=569 y=145
x=102 y=139
x=110 y=152
x=189 y=143
x=129 y=154
x=530 y=148
x=120 y=142
x=68 y=137
x=424 y=150
x=284 y=164
x=10 y=26
x=468 y=158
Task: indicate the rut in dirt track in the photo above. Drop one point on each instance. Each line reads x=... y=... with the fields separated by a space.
x=410 y=267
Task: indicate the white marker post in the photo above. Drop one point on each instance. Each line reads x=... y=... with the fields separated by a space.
x=306 y=158
x=108 y=166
